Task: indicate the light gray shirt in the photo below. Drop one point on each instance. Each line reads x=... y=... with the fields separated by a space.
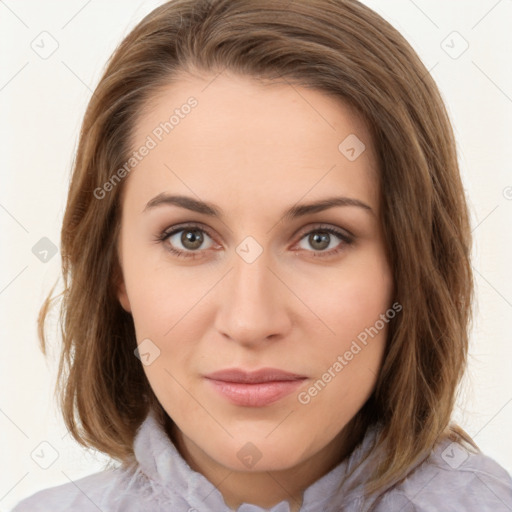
x=451 y=479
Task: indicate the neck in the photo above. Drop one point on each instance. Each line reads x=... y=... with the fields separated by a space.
x=265 y=488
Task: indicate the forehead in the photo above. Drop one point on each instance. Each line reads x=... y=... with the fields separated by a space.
x=252 y=137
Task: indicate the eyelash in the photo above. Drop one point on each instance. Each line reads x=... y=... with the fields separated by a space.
x=162 y=237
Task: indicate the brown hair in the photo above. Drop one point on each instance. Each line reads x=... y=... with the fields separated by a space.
x=344 y=49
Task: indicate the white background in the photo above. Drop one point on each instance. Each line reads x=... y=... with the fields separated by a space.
x=42 y=102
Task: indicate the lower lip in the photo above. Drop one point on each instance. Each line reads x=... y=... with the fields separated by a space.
x=255 y=395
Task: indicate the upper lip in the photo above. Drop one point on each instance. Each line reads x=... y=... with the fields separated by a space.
x=253 y=377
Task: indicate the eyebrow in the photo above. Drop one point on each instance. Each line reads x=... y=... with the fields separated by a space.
x=298 y=210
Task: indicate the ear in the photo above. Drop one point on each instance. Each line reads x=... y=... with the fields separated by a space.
x=123 y=296
x=120 y=287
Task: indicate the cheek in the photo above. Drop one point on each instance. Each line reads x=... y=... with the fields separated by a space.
x=352 y=299
x=168 y=308
x=355 y=308
x=160 y=295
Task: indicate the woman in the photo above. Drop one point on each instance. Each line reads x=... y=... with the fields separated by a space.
x=266 y=254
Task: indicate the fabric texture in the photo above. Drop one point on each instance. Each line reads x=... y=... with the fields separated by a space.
x=450 y=479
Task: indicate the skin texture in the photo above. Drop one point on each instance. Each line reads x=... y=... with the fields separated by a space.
x=255 y=150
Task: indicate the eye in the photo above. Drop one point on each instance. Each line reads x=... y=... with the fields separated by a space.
x=323 y=238
x=185 y=241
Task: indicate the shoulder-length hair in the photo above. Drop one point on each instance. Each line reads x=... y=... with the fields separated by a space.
x=341 y=48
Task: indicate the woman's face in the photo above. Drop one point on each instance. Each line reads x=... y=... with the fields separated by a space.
x=260 y=280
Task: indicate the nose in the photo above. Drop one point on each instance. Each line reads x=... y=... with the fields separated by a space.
x=254 y=303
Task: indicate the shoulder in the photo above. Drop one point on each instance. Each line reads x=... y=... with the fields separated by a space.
x=85 y=494
x=452 y=478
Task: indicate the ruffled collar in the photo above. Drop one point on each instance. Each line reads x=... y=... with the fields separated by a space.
x=161 y=462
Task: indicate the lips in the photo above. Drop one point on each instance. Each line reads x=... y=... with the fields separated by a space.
x=254 y=377
x=256 y=388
